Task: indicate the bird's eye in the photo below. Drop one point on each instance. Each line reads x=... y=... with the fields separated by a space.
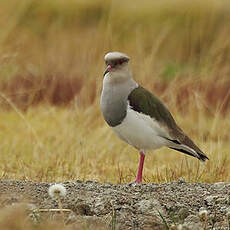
x=118 y=62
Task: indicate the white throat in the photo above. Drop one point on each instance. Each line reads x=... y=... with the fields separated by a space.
x=118 y=76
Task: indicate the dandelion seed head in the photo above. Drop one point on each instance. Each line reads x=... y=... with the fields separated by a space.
x=57 y=191
x=203 y=214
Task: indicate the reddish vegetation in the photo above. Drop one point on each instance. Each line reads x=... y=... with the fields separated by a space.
x=215 y=95
x=219 y=96
x=27 y=91
x=60 y=90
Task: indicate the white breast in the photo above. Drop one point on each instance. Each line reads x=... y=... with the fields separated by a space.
x=141 y=131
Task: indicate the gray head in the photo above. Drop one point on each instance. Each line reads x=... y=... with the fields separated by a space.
x=116 y=62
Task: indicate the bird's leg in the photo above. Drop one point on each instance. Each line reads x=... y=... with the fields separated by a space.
x=140 y=169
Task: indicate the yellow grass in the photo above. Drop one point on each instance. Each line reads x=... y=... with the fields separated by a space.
x=68 y=144
x=183 y=45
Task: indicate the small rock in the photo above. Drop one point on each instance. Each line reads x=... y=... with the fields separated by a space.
x=210 y=200
x=82 y=209
x=150 y=206
x=222 y=200
x=183 y=213
x=192 y=222
x=220 y=185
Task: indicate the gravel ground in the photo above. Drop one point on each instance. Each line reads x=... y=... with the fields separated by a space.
x=174 y=205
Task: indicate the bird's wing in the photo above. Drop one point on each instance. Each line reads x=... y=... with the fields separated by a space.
x=142 y=101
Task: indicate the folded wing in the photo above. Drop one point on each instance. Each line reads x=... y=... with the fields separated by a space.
x=142 y=101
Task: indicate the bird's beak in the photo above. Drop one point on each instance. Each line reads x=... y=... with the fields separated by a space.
x=108 y=69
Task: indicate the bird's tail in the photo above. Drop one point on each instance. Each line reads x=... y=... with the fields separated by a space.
x=187 y=146
x=189 y=151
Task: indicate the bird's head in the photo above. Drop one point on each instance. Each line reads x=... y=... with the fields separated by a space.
x=117 y=64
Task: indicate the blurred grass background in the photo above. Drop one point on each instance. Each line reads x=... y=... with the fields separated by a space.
x=51 y=66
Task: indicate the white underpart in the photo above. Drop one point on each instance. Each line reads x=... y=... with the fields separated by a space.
x=141 y=131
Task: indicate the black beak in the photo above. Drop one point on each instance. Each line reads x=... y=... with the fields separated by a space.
x=108 y=69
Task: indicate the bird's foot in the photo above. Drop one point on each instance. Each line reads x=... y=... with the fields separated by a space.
x=135 y=183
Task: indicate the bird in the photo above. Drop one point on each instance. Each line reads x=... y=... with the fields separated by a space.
x=137 y=116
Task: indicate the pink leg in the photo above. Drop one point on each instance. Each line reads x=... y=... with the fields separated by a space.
x=140 y=169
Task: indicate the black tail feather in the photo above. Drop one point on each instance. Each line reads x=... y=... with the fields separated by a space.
x=200 y=156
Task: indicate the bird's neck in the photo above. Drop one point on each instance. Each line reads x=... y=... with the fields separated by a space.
x=114 y=98
x=120 y=76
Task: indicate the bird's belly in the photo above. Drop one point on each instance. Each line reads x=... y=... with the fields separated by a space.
x=141 y=131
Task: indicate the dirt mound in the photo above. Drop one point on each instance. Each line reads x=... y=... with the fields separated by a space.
x=125 y=206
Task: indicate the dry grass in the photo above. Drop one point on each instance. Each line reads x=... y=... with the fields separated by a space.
x=51 y=53
x=75 y=143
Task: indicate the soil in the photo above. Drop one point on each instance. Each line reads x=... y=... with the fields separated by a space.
x=174 y=205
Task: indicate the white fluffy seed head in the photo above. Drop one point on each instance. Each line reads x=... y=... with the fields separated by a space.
x=57 y=191
x=203 y=214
